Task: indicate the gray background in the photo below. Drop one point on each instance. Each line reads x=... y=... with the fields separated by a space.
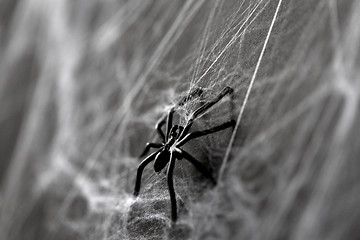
x=83 y=83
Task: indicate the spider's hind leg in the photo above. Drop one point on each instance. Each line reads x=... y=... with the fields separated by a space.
x=197 y=134
x=197 y=164
x=170 y=181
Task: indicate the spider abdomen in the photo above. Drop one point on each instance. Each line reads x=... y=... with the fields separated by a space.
x=161 y=159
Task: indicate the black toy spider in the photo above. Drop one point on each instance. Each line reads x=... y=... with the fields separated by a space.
x=170 y=148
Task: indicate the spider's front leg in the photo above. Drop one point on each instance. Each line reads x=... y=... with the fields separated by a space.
x=165 y=119
x=148 y=146
x=158 y=127
x=169 y=123
x=170 y=115
x=205 y=107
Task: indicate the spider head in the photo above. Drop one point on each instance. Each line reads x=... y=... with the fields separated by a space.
x=175 y=131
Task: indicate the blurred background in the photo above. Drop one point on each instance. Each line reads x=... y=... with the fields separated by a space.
x=83 y=82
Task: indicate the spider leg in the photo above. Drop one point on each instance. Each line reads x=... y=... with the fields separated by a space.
x=170 y=171
x=198 y=165
x=169 y=122
x=197 y=134
x=158 y=127
x=205 y=107
x=148 y=146
x=140 y=170
x=192 y=94
x=170 y=115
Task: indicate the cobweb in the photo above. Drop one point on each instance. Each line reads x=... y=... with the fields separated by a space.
x=83 y=84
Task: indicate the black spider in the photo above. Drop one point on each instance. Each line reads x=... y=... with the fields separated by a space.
x=170 y=148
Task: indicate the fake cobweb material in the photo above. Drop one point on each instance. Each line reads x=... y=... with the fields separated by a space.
x=84 y=83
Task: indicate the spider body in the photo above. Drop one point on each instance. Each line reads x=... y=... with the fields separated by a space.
x=169 y=150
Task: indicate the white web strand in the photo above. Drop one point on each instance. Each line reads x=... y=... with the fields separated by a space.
x=228 y=150
x=231 y=42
